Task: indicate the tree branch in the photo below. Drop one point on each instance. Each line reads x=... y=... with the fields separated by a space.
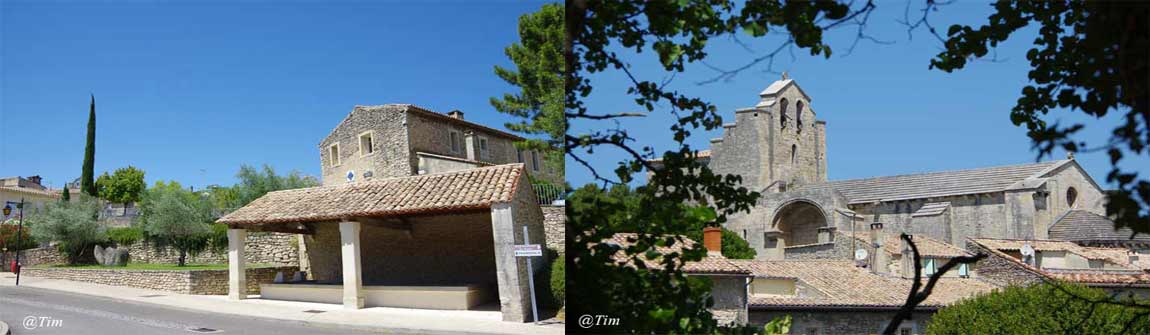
x=917 y=296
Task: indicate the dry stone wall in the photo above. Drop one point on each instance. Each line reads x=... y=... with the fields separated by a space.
x=180 y=281
x=260 y=248
x=554 y=218
x=32 y=257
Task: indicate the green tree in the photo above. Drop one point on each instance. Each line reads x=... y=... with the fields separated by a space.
x=123 y=186
x=87 y=182
x=1042 y=309
x=65 y=195
x=172 y=216
x=538 y=73
x=72 y=224
x=254 y=183
x=1090 y=56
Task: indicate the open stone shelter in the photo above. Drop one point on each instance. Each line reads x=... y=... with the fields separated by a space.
x=435 y=241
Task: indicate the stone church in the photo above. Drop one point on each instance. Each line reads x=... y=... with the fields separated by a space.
x=778 y=147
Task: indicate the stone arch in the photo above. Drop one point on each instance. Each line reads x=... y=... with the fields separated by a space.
x=783 y=114
x=798 y=221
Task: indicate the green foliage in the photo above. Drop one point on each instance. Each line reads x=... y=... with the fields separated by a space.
x=172 y=216
x=72 y=224
x=558 y=281
x=87 y=181
x=254 y=183
x=1040 y=309
x=538 y=73
x=65 y=195
x=125 y=185
x=735 y=247
x=124 y=236
x=9 y=239
x=778 y=326
x=1090 y=56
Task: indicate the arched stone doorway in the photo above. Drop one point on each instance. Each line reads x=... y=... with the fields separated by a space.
x=796 y=223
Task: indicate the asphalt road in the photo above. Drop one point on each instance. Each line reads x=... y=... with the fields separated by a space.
x=54 y=312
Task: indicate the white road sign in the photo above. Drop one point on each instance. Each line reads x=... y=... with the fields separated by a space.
x=528 y=250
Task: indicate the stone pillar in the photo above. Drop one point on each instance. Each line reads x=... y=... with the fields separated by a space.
x=237 y=272
x=878 y=241
x=352 y=270
x=511 y=276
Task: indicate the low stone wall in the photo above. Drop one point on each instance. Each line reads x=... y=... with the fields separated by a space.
x=179 y=281
x=554 y=224
x=32 y=257
x=260 y=248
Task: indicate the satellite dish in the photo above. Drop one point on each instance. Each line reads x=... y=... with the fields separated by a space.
x=860 y=254
x=350 y=175
x=1027 y=250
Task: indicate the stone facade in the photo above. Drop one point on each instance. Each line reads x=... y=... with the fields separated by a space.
x=212 y=282
x=845 y=322
x=730 y=297
x=260 y=248
x=773 y=154
x=1001 y=271
x=408 y=140
x=554 y=224
x=32 y=257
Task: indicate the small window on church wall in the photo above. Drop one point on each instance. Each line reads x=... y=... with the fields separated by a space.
x=799 y=117
x=1071 y=196
x=794 y=153
x=783 y=114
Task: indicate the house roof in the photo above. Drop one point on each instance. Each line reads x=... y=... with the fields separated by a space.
x=927 y=247
x=409 y=108
x=1126 y=275
x=709 y=265
x=1080 y=225
x=455 y=191
x=28 y=190
x=841 y=284
x=941 y=184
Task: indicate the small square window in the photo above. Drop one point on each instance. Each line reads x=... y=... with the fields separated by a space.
x=928 y=268
x=366 y=144
x=519 y=153
x=964 y=270
x=771 y=242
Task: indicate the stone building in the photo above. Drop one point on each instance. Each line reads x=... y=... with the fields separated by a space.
x=399 y=140
x=35 y=195
x=1118 y=271
x=439 y=240
x=778 y=147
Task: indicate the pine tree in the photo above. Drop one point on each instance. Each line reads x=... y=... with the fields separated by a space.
x=87 y=177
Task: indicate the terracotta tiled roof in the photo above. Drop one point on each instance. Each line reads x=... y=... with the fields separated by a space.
x=940 y=184
x=1126 y=275
x=927 y=247
x=463 y=190
x=1079 y=225
x=711 y=264
x=841 y=284
x=27 y=190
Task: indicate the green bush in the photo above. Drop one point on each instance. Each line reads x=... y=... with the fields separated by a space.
x=1039 y=309
x=71 y=224
x=125 y=236
x=558 y=281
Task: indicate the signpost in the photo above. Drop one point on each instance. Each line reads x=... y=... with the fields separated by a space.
x=529 y=250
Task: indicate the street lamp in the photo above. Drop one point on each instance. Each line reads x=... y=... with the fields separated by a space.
x=7 y=210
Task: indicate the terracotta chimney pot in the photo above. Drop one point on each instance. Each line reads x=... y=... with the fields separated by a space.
x=713 y=240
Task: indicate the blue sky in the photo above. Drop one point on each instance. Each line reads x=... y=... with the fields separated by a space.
x=886 y=112
x=191 y=91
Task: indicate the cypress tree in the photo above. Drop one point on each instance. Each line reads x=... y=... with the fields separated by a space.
x=66 y=196
x=87 y=181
